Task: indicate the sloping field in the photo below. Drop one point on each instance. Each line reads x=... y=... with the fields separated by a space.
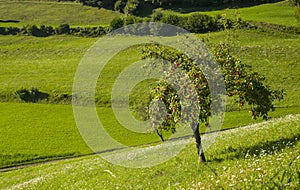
x=275 y=13
x=261 y=155
x=53 y=13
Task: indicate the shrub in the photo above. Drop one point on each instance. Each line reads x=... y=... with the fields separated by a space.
x=117 y=23
x=131 y=7
x=31 y=95
x=199 y=23
x=172 y=19
x=12 y=30
x=157 y=16
x=62 y=29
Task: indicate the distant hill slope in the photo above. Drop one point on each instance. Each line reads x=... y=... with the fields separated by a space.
x=53 y=13
x=276 y=13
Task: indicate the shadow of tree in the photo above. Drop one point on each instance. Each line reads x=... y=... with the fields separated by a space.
x=263 y=148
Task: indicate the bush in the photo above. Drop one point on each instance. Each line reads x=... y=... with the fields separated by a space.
x=172 y=19
x=157 y=16
x=131 y=7
x=117 y=23
x=62 y=29
x=9 y=30
x=33 y=30
x=199 y=23
x=31 y=95
x=89 y=31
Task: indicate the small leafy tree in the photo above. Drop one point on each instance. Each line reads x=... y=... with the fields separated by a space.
x=245 y=86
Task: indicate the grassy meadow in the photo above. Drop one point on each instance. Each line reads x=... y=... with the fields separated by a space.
x=266 y=158
x=53 y=13
x=264 y=155
x=50 y=64
x=276 y=13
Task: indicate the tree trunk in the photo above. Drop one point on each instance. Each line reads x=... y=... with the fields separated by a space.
x=160 y=135
x=195 y=127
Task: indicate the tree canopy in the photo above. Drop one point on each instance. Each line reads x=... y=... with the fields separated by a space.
x=244 y=85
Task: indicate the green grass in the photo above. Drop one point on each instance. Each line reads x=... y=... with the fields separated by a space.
x=50 y=64
x=47 y=63
x=53 y=13
x=264 y=156
x=275 y=13
x=35 y=132
x=38 y=132
x=32 y=133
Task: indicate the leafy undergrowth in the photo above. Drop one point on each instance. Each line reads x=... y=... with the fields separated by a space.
x=260 y=156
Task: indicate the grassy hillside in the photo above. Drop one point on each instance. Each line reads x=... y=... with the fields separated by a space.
x=53 y=13
x=35 y=132
x=275 y=13
x=47 y=63
x=263 y=156
x=50 y=63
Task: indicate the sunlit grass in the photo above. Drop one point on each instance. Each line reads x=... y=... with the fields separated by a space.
x=276 y=13
x=53 y=13
x=263 y=156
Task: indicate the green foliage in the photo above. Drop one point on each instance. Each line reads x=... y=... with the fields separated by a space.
x=117 y=23
x=195 y=23
x=297 y=13
x=31 y=95
x=42 y=31
x=45 y=31
x=247 y=86
x=9 y=30
x=90 y=31
x=119 y=5
x=294 y=2
x=131 y=7
x=157 y=15
x=63 y=29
